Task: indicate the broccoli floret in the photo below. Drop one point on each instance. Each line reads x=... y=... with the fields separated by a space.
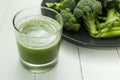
x=66 y=7
x=70 y=22
x=88 y=10
x=62 y=5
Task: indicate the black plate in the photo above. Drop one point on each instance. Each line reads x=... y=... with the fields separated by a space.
x=84 y=39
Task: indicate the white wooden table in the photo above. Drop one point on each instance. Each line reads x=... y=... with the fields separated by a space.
x=75 y=62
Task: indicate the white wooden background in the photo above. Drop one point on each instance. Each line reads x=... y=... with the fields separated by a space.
x=75 y=62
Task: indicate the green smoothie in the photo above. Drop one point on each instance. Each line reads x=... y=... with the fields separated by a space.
x=38 y=56
x=40 y=42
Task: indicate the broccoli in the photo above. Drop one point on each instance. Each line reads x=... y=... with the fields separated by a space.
x=101 y=17
x=112 y=8
x=62 y=5
x=88 y=10
x=65 y=8
x=109 y=26
x=70 y=22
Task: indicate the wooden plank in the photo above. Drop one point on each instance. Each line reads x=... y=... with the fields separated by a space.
x=3 y=9
x=118 y=51
x=68 y=67
x=10 y=68
x=99 y=63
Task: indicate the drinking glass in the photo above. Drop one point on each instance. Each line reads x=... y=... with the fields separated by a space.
x=38 y=33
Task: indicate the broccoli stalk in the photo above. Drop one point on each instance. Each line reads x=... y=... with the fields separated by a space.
x=88 y=10
x=108 y=27
x=62 y=5
x=113 y=15
x=111 y=19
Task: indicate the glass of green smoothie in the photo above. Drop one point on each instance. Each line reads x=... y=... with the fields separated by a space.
x=38 y=33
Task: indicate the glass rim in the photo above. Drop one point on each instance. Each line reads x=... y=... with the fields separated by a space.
x=41 y=7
